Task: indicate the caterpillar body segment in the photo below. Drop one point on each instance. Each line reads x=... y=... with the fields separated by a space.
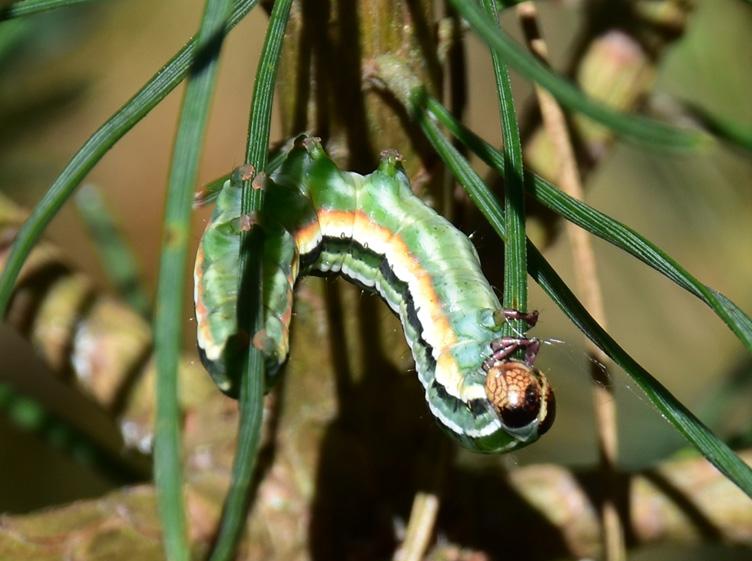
x=319 y=220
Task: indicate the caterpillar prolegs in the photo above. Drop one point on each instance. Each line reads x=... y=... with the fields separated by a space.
x=372 y=230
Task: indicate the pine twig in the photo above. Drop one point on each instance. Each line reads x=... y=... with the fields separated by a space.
x=586 y=279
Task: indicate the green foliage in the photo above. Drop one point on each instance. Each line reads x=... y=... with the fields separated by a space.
x=117 y=257
x=631 y=126
x=250 y=308
x=603 y=226
x=515 y=255
x=154 y=91
x=712 y=447
x=169 y=310
x=31 y=7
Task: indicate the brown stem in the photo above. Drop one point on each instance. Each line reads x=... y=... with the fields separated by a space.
x=681 y=501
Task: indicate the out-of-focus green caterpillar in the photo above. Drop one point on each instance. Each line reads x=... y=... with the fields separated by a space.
x=372 y=230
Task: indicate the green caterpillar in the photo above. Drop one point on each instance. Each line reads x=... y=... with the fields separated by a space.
x=375 y=232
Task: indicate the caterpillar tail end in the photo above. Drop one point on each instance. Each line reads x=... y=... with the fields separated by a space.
x=223 y=370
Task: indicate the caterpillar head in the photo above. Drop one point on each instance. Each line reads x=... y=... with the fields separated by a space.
x=522 y=398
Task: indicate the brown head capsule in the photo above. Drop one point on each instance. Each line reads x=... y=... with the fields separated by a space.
x=520 y=394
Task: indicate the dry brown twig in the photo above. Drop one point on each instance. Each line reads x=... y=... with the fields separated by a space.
x=586 y=279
